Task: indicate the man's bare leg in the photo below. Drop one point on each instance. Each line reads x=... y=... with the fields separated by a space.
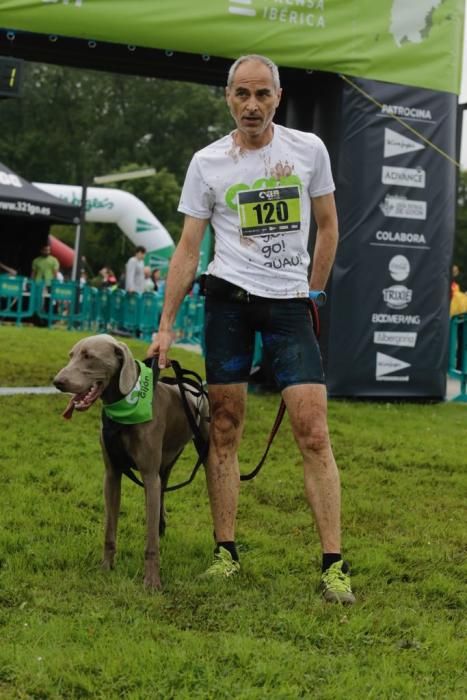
x=307 y=408
x=223 y=475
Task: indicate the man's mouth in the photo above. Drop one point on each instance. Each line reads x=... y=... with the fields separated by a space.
x=84 y=400
x=251 y=120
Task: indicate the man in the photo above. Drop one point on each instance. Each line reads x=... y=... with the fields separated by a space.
x=45 y=267
x=134 y=271
x=258 y=187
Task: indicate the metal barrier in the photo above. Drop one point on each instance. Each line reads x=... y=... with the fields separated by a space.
x=458 y=354
x=99 y=310
x=17 y=298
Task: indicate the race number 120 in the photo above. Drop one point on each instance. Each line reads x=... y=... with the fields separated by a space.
x=267 y=211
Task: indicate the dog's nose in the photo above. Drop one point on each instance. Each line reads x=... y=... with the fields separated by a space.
x=59 y=384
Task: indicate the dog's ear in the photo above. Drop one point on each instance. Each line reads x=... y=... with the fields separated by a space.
x=128 y=371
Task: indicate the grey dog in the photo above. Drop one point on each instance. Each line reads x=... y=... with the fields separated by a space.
x=102 y=367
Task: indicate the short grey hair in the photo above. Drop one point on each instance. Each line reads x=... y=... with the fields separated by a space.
x=255 y=57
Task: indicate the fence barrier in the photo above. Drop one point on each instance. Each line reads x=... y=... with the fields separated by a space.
x=458 y=353
x=99 y=310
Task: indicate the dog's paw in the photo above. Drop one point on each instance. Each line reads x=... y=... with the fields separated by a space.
x=152 y=582
x=107 y=563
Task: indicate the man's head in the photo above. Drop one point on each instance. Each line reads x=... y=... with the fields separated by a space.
x=253 y=94
x=45 y=250
x=140 y=252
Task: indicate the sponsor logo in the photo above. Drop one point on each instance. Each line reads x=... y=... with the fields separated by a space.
x=401 y=339
x=400 y=237
x=9 y=179
x=403 y=177
x=242 y=7
x=133 y=397
x=395 y=144
x=396 y=319
x=399 y=268
x=386 y=365
x=397 y=296
x=401 y=208
x=142 y=225
x=77 y=3
x=407 y=112
x=308 y=13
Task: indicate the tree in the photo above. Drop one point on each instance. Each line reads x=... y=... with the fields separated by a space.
x=71 y=124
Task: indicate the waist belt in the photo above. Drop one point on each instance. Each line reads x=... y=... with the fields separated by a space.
x=217 y=288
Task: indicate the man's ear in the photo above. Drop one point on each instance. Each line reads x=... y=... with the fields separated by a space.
x=279 y=96
x=128 y=371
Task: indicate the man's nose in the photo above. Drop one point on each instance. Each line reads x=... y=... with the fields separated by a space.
x=252 y=105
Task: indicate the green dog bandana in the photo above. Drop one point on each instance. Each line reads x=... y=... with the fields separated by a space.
x=135 y=407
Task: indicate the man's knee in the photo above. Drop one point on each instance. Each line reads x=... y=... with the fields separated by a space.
x=313 y=440
x=225 y=426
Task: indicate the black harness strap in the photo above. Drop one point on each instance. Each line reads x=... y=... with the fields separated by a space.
x=183 y=377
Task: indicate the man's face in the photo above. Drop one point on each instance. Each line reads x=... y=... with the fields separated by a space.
x=252 y=98
x=140 y=255
x=45 y=251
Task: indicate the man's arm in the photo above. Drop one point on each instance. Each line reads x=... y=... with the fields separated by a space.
x=327 y=236
x=182 y=271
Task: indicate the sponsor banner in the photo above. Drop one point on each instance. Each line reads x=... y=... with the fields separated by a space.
x=401 y=339
x=404 y=177
x=399 y=268
x=396 y=143
x=390 y=284
x=386 y=366
x=409 y=43
x=401 y=208
x=399 y=239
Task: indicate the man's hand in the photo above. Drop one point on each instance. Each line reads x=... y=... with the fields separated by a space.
x=160 y=345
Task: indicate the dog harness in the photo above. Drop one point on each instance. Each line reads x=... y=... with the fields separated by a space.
x=113 y=424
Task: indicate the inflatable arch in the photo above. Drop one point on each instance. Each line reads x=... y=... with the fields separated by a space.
x=113 y=206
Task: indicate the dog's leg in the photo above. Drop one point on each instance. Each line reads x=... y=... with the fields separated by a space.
x=112 y=490
x=152 y=489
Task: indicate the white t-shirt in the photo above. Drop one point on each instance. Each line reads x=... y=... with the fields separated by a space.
x=134 y=275
x=258 y=202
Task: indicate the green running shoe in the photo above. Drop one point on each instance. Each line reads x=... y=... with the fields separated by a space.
x=223 y=566
x=335 y=584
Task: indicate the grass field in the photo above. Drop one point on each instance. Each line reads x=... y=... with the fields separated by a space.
x=70 y=630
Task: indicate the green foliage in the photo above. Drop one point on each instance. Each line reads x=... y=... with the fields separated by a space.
x=71 y=125
x=70 y=630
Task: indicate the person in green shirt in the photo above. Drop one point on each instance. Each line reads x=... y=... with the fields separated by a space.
x=45 y=266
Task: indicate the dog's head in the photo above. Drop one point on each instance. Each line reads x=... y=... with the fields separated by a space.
x=96 y=363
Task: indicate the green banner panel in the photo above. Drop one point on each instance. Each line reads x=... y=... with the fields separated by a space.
x=408 y=42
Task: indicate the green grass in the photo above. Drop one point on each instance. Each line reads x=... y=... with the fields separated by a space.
x=70 y=630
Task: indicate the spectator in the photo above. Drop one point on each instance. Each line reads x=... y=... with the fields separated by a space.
x=134 y=271
x=458 y=303
x=149 y=285
x=45 y=266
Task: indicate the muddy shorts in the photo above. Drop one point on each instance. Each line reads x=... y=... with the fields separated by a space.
x=233 y=316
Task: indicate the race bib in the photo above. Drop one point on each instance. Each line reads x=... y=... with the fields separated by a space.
x=267 y=211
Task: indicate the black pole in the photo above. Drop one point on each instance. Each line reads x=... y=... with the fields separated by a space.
x=79 y=238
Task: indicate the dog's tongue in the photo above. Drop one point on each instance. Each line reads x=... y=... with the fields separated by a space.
x=68 y=412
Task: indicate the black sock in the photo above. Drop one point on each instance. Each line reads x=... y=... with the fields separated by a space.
x=329 y=559
x=230 y=547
